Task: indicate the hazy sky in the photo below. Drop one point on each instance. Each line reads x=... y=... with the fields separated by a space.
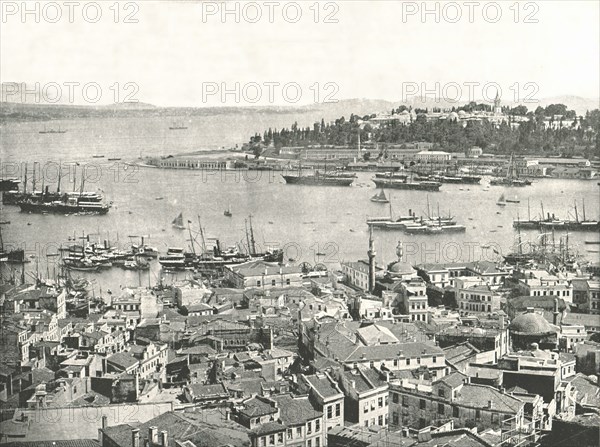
x=184 y=53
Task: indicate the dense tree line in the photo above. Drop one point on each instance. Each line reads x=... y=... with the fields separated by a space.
x=572 y=134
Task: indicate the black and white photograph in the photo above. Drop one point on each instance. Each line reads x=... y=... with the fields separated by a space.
x=311 y=223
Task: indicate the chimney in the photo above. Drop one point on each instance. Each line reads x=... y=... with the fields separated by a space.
x=490 y=404
x=555 y=313
x=104 y=422
x=353 y=384
x=135 y=437
x=153 y=435
x=164 y=438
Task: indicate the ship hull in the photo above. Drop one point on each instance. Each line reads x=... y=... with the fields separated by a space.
x=28 y=207
x=317 y=181
x=431 y=186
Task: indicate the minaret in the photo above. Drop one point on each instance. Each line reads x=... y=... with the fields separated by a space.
x=371 y=253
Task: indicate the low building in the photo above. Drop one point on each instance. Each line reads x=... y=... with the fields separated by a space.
x=205 y=394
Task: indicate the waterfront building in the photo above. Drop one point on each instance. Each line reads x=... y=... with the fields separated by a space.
x=263 y=275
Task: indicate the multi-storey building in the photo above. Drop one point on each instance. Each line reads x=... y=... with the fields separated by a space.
x=366 y=392
x=453 y=398
x=476 y=299
x=326 y=397
x=413 y=296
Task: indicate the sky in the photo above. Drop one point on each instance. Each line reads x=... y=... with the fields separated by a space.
x=187 y=53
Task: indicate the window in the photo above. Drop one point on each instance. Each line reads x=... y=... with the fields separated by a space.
x=309 y=443
x=395 y=398
x=272 y=282
x=366 y=407
x=395 y=418
x=385 y=402
x=263 y=441
x=455 y=412
x=441 y=409
x=290 y=433
x=258 y=283
x=380 y=402
x=367 y=423
x=477 y=414
x=272 y=440
x=298 y=431
x=317 y=425
x=408 y=361
x=329 y=411
x=441 y=393
x=317 y=442
x=380 y=420
x=309 y=428
x=338 y=409
x=395 y=362
x=422 y=404
x=405 y=401
x=287 y=281
x=434 y=359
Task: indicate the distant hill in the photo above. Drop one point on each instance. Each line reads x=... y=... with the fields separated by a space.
x=305 y=115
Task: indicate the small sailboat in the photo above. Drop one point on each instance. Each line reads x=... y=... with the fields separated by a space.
x=380 y=198
x=501 y=201
x=227 y=212
x=178 y=222
x=515 y=200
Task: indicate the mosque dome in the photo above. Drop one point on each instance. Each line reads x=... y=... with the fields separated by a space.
x=531 y=323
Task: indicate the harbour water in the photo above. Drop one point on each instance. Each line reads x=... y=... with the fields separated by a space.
x=313 y=224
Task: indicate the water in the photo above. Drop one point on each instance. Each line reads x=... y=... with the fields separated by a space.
x=304 y=220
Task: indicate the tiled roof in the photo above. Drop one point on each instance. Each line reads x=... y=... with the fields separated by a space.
x=296 y=411
x=268 y=429
x=122 y=360
x=478 y=396
x=323 y=385
x=256 y=407
x=66 y=443
x=453 y=380
x=383 y=352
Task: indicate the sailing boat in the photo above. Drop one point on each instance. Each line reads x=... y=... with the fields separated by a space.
x=178 y=222
x=515 y=200
x=501 y=201
x=380 y=198
x=227 y=212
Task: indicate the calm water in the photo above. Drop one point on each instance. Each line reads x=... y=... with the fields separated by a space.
x=304 y=220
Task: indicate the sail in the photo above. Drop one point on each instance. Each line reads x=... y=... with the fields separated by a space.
x=178 y=221
x=382 y=195
x=501 y=199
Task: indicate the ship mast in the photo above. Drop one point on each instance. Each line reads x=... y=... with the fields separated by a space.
x=191 y=239
x=519 y=250
x=33 y=179
x=25 y=182
x=247 y=236
x=202 y=236
x=583 y=204
x=252 y=235
x=576 y=216
x=59 y=178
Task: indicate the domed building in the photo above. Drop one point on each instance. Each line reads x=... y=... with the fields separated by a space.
x=400 y=270
x=529 y=328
